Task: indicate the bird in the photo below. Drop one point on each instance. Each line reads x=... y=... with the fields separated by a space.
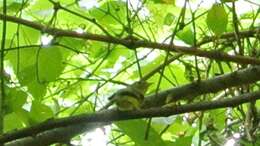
x=131 y=97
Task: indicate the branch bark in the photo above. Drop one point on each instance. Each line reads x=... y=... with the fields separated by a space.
x=237 y=78
x=240 y=77
x=216 y=55
x=189 y=91
x=57 y=135
x=115 y=115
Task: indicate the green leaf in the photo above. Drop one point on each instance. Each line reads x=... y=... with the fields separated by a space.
x=135 y=129
x=110 y=13
x=12 y=122
x=41 y=8
x=114 y=55
x=97 y=50
x=15 y=99
x=28 y=77
x=66 y=2
x=37 y=89
x=11 y=29
x=186 y=35
x=183 y=141
x=39 y=112
x=22 y=59
x=50 y=64
x=13 y=5
x=164 y=1
x=189 y=72
x=217 y=19
x=245 y=142
x=29 y=35
x=178 y=73
x=86 y=107
x=23 y=115
x=16 y=6
x=147 y=68
x=169 y=18
x=179 y=127
x=228 y=1
x=36 y=67
x=73 y=43
x=219 y=118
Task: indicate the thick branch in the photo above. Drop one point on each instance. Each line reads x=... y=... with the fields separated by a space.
x=189 y=91
x=57 y=135
x=236 y=78
x=136 y=43
x=245 y=76
x=231 y=36
x=115 y=115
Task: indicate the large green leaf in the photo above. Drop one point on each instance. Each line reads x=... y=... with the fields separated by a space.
x=11 y=29
x=15 y=99
x=135 y=129
x=41 y=8
x=12 y=121
x=164 y=1
x=29 y=35
x=228 y=0
x=179 y=127
x=22 y=58
x=29 y=78
x=114 y=55
x=186 y=35
x=169 y=18
x=49 y=64
x=73 y=45
x=219 y=118
x=37 y=67
x=147 y=67
x=15 y=5
x=97 y=50
x=39 y=112
x=217 y=19
x=183 y=141
x=110 y=13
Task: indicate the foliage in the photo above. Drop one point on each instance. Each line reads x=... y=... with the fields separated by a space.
x=51 y=74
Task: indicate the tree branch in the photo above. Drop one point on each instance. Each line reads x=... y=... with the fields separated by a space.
x=218 y=83
x=231 y=36
x=57 y=135
x=136 y=43
x=245 y=76
x=115 y=115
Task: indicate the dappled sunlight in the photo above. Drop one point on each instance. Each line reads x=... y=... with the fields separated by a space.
x=98 y=137
x=46 y=39
x=233 y=140
x=88 y=4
